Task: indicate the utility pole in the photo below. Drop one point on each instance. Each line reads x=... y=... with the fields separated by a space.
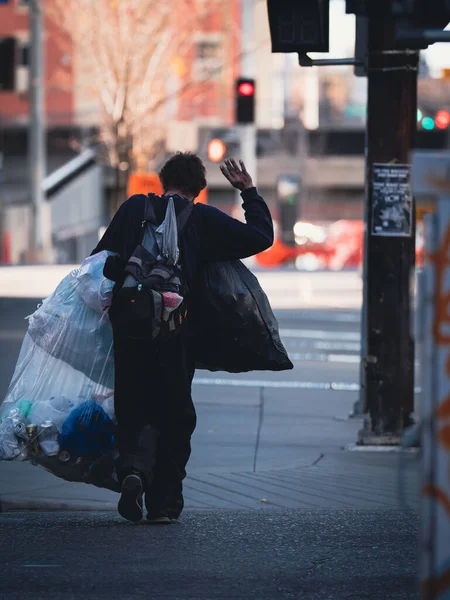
x=247 y=131
x=391 y=125
x=393 y=29
x=39 y=245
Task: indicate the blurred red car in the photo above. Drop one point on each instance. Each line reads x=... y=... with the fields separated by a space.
x=345 y=242
x=334 y=246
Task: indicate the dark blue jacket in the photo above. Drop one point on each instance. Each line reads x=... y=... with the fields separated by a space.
x=210 y=234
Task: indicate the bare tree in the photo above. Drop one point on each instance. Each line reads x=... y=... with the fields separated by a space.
x=128 y=49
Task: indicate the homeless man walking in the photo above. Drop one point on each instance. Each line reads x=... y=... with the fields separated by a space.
x=153 y=351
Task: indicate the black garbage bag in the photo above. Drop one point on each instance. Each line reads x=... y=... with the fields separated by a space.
x=99 y=472
x=235 y=329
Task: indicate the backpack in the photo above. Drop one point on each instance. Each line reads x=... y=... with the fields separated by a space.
x=152 y=299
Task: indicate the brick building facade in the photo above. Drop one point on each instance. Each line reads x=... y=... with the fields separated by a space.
x=59 y=98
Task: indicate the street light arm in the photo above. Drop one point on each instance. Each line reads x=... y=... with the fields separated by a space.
x=306 y=61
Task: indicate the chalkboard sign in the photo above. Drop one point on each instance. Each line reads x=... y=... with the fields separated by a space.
x=391 y=200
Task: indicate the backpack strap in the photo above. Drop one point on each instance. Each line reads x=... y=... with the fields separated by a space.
x=183 y=217
x=150 y=215
x=149 y=210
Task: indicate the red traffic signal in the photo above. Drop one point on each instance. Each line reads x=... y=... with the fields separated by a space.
x=442 y=119
x=245 y=100
x=246 y=88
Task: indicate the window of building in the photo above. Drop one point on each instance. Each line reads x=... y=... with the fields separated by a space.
x=24 y=55
x=208 y=62
x=22 y=62
x=207 y=50
x=22 y=5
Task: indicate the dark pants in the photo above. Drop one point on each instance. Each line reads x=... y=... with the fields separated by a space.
x=155 y=414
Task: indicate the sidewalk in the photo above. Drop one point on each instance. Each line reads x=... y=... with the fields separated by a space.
x=286 y=289
x=280 y=515
x=285 y=453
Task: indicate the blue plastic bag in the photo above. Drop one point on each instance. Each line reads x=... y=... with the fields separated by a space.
x=87 y=432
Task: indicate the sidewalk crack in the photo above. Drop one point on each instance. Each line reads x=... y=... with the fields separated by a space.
x=260 y=424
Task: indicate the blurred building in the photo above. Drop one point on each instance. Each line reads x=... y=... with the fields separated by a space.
x=310 y=121
x=60 y=97
x=206 y=71
x=15 y=213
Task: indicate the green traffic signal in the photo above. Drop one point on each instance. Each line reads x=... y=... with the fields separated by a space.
x=428 y=123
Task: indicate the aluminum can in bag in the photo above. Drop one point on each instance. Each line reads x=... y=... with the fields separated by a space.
x=64 y=456
x=49 y=438
x=20 y=430
x=33 y=444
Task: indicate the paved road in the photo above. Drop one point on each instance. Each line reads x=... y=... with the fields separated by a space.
x=230 y=555
x=324 y=345
x=262 y=439
x=275 y=507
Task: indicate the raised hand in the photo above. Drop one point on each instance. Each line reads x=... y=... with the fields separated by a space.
x=237 y=176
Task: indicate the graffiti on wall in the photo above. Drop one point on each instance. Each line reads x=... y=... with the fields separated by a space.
x=437 y=488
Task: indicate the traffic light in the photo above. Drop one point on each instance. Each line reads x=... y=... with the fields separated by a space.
x=245 y=100
x=428 y=123
x=442 y=119
x=419 y=22
x=216 y=150
x=423 y=13
x=299 y=26
x=288 y=204
x=7 y=63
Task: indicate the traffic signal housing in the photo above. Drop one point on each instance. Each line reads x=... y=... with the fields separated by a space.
x=245 y=100
x=441 y=120
x=299 y=25
x=7 y=63
x=423 y=13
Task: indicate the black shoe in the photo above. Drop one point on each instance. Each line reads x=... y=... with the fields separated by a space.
x=130 y=503
x=160 y=517
x=162 y=505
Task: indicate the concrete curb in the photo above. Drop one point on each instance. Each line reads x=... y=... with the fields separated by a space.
x=10 y=506
x=17 y=505
x=368 y=448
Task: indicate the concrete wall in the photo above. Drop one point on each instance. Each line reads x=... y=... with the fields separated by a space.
x=17 y=232
x=78 y=213
x=325 y=172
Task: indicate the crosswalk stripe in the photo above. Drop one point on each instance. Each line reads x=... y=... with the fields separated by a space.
x=312 y=315
x=264 y=383
x=353 y=347
x=319 y=334
x=256 y=383
x=318 y=357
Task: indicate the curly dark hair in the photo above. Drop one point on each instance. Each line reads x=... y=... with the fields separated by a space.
x=184 y=171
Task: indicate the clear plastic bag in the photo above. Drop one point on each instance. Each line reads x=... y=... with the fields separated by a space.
x=59 y=409
x=93 y=287
x=72 y=325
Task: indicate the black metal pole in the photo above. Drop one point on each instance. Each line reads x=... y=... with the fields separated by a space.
x=391 y=125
